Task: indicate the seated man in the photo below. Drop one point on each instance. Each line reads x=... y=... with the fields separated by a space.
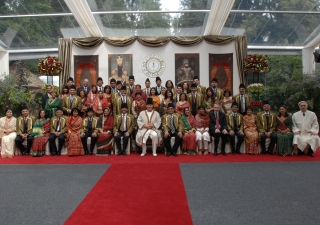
x=25 y=123
x=305 y=128
x=235 y=128
x=89 y=129
x=58 y=130
x=172 y=127
x=266 y=124
x=123 y=127
x=148 y=123
x=218 y=128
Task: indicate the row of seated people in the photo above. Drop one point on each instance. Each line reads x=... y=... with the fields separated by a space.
x=293 y=134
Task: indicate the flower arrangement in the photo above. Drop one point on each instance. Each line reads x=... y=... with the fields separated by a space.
x=255 y=88
x=49 y=65
x=256 y=63
x=256 y=104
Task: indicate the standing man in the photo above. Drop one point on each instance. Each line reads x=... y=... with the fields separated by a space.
x=117 y=93
x=85 y=87
x=218 y=128
x=25 y=123
x=217 y=92
x=100 y=84
x=176 y=96
x=71 y=101
x=200 y=89
x=195 y=99
x=46 y=96
x=123 y=127
x=58 y=130
x=235 y=128
x=89 y=129
x=147 y=90
x=131 y=87
x=118 y=101
x=242 y=99
x=120 y=74
x=172 y=127
x=266 y=124
x=158 y=86
x=305 y=128
x=113 y=85
x=70 y=82
x=148 y=122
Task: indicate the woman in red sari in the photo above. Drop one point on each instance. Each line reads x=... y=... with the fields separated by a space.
x=74 y=125
x=105 y=138
x=251 y=132
x=41 y=133
x=189 y=139
x=182 y=104
x=83 y=96
x=93 y=93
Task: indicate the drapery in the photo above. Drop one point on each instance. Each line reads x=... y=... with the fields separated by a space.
x=65 y=47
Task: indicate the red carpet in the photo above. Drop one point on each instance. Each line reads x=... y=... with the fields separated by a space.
x=136 y=194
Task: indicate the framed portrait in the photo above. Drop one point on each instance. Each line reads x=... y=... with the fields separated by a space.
x=186 y=66
x=86 y=66
x=221 y=67
x=120 y=67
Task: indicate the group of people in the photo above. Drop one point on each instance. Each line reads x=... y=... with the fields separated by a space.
x=193 y=117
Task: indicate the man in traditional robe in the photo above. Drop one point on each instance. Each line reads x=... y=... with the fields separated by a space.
x=235 y=128
x=217 y=92
x=201 y=89
x=58 y=130
x=242 y=99
x=305 y=128
x=89 y=129
x=71 y=101
x=266 y=124
x=148 y=123
x=117 y=102
x=158 y=86
x=195 y=99
x=119 y=73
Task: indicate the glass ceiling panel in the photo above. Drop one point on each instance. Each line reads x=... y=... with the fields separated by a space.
x=152 y=24
x=25 y=7
x=279 y=5
x=273 y=29
x=37 y=32
x=143 y=5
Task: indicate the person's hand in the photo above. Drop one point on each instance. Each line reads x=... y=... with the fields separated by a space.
x=241 y=132
x=190 y=131
x=127 y=134
x=314 y=133
x=166 y=134
x=217 y=131
x=224 y=131
x=231 y=132
x=94 y=135
x=180 y=135
x=297 y=133
x=116 y=133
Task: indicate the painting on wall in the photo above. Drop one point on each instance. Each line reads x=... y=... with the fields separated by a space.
x=86 y=66
x=186 y=66
x=120 y=67
x=221 y=67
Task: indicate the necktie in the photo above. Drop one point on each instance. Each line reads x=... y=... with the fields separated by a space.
x=147 y=92
x=122 y=123
x=267 y=118
x=85 y=89
x=25 y=127
x=242 y=104
x=235 y=126
x=123 y=99
x=58 y=124
x=214 y=92
x=194 y=97
x=90 y=125
x=71 y=99
x=217 y=121
x=173 y=129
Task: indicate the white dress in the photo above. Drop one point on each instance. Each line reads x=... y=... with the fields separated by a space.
x=7 y=141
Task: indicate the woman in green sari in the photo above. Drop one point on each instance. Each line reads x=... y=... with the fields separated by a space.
x=40 y=132
x=189 y=139
x=52 y=104
x=284 y=132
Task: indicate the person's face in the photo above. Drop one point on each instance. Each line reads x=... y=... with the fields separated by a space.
x=59 y=113
x=100 y=94
x=90 y=114
x=69 y=83
x=201 y=111
x=106 y=112
x=131 y=81
x=147 y=83
x=9 y=113
x=42 y=114
x=186 y=65
x=72 y=91
x=123 y=92
x=138 y=97
x=113 y=84
x=163 y=91
x=185 y=85
x=187 y=111
x=249 y=112
x=170 y=110
x=158 y=82
x=193 y=89
x=99 y=83
x=75 y=113
x=234 y=108
x=209 y=93
x=94 y=88
x=182 y=97
x=153 y=92
x=169 y=84
x=216 y=108
x=119 y=60
x=179 y=90
x=149 y=107
x=242 y=91
x=108 y=90
x=226 y=95
x=85 y=82
x=303 y=106
x=282 y=110
x=49 y=88
x=25 y=112
x=65 y=90
x=138 y=89
x=196 y=81
x=81 y=94
x=53 y=95
x=119 y=86
x=169 y=94
x=214 y=84
x=124 y=110
x=266 y=107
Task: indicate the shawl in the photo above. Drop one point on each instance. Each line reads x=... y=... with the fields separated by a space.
x=202 y=121
x=188 y=121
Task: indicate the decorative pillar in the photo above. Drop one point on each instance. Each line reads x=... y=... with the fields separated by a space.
x=308 y=60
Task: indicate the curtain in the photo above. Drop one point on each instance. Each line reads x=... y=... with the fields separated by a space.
x=65 y=53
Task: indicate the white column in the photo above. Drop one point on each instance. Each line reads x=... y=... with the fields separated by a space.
x=4 y=62
x=308 y=60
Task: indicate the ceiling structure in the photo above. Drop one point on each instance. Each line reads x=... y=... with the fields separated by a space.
x=30 y=28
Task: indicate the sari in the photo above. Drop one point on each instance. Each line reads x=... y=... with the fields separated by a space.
x=99 y=104
x=138 y=106
x=90 y=98
x=105 y=140
x=40 y=141
x=189 y=139
x=202 y=124
x=7 y=140
x=226 y=104
x=156 y=102
x=251 y=134
x=74 y=125
x=208 y=104
x=181 y=106
x=284 y=141
x=83 y=112
x=51 y=107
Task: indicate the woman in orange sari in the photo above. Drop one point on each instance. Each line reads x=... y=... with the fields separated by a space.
x=155 y=99
x=105 y=138
x=74 y=125
x=182 y=104
x=251 y=132
x=138 y=105
x=93 y=93
x=189 y=139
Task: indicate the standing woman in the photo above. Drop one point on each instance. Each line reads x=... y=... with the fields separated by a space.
x=83 y=96
x=93 y=93
x=7 y=134
x=165 y=102
x=182 y=104
x=107 y=93
x=105 y=138
x=155 y=99
x=186 y=88
x=284 y=132
x=64 y=92
x=163 y=93
x=52 y=104
x=189 y=139
x=226 y=101
x=74 y=125
x=169 y=85
x=251 y=132
x=40 y=133
x=209 y=100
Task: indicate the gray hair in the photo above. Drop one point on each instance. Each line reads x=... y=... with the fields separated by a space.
x=302 y=102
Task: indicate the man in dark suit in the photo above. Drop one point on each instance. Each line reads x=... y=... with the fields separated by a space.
x=158 y=86
x=195 y=99
x=84 y=87
x=235 y=128
x=218 y=128
x=113 y=85
x=99 y=84
x=46 y=96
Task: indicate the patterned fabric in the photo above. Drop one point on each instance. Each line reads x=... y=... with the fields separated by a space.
x=173 y=129
x=51 y=106
x=7 y=140
x=105 y=140
x=74 y=125
x=251 y=133
x=284 y=141
x=39 y=142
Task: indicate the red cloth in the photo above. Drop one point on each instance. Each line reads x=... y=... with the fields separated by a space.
x=133 y=96
x=202 y=121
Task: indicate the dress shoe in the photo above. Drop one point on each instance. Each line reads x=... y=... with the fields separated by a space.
x=215 y=153
x=124 y=153
x=223 y=153
x=142 y=154
x=23 y=153
x=27 y=154
x=53 y=153
x=310 y=152
x=86 y=152
x=58 y=153
x=263 y=152
x=155 y=154
x=174 y=154
x=91 y=153
x=119 y=153
x=168 y=154
x=270 y=152
x=238 y=152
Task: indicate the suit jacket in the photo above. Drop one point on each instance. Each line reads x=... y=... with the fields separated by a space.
x=144 y=90
x=219 y=95
x=222 y=122
x=115 y=94
x=157 y=90
x=236 y=98
x=82 y=88
x=202 y=89
x=101 y=88
x=178 y=123
x=20 y=124
x=176 y=99
x=84 y=128
x=116 y=105
x=63 y=124
x=129 y=93
x=77 y=103
x=44 y=99
x=262 y=122
x=199 y=100
x=130 y=123
x=230 y=123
